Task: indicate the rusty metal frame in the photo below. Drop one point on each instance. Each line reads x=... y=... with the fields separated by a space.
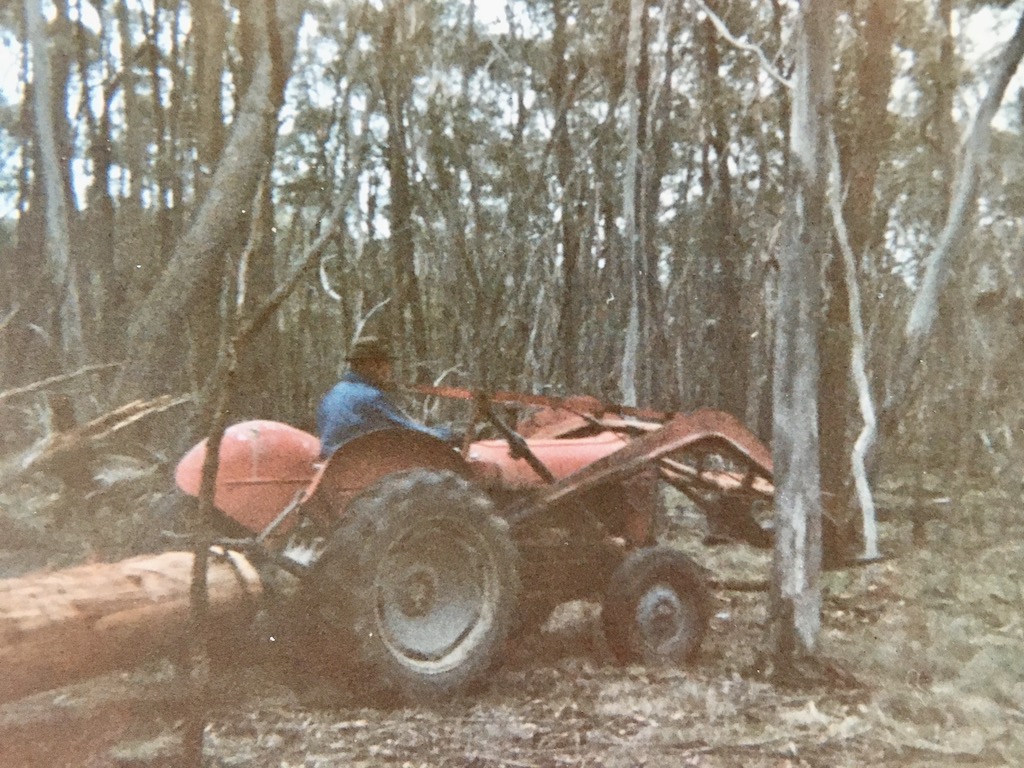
x=681 y=432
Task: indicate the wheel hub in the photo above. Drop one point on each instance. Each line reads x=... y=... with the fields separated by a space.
x=419 y=595
x=661 y=616
x=433 y=587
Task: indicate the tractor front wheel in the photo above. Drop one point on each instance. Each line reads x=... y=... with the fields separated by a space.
x=656 y=608
x=421 y=577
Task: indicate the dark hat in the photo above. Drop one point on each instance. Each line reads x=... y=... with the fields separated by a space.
x=369 y=348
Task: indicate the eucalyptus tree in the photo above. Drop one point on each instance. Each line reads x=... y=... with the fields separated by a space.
x=864 y=128
x=796 y=592
x=50 y=122
x=153 y=335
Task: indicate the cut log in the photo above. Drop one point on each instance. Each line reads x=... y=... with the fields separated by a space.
x=63 y=626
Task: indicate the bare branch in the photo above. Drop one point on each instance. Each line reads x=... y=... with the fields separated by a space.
x=312 y=255
x=325 y=281
x=48 y=382
x=59 y=446
x=284 y=290
x=361 y=324
x=743 y=45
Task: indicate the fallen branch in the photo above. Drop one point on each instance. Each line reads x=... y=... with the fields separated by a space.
x=70 y=445
x=49 y=382
x=102 y=427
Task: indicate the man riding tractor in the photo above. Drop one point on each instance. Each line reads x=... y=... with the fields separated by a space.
x=360 y=403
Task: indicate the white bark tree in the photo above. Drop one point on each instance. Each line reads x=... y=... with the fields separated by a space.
x=921 y=321
x=58 y=237
x=796 y=592
x=634 y=258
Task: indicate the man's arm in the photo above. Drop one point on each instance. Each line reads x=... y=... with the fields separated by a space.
x=383 y=409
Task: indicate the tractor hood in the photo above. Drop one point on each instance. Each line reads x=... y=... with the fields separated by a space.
x=492 y=463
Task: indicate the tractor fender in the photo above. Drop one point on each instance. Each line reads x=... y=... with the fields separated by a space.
x=362 y=461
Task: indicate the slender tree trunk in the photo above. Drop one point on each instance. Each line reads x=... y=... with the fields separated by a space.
x=866 y=140
x=135 y=140
x=154 y=335
x=921 y=321
x=659 y=138
x=796 y=592
x=631 y=235
x=209 y=35
x=569 y=318
x=403 y=252
x=727 y=339
x=162 y=159
x=58 y=236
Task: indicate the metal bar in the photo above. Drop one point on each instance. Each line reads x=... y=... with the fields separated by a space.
x=517 y=445
x=574 y=404
x=678 y=475
x=283 y=515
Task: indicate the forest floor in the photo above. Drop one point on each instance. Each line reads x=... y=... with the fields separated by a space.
x=934 y=637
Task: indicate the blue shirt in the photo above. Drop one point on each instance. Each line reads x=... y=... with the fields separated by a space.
x=354 y=407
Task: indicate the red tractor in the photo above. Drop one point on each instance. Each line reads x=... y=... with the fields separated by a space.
x=420 y=560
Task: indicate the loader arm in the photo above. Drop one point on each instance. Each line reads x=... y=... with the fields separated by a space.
x=682 y=431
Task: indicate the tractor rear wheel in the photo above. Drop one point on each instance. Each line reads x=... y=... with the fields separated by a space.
x=656 y=608
x=421 y=579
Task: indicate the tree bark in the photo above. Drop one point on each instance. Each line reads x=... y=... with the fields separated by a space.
x=569 y=317
x=727 y=337
x=154 y=335
x=865 y=139
x=858 y=364
x=395 y=85
x=58 y=236
x=631 y=183
x=57 y=628
x=209 y=33
x=796 y=592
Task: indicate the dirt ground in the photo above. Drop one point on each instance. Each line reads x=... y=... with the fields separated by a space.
x=934 y=637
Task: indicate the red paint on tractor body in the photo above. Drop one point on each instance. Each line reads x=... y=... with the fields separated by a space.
x=268 y=468
x=493 y=462
x=361 y=462
x=263 y=465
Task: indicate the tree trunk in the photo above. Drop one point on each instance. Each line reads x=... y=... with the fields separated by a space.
x=154 y=335
x=727 y=337
x=57 y=628
x=58 y=236
x=796 y=592
x=866 y=141
x=209 y=33
x=921 y=321
x=631 y=234
x=567 y=353
x=403 y=251
x=163 y=171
